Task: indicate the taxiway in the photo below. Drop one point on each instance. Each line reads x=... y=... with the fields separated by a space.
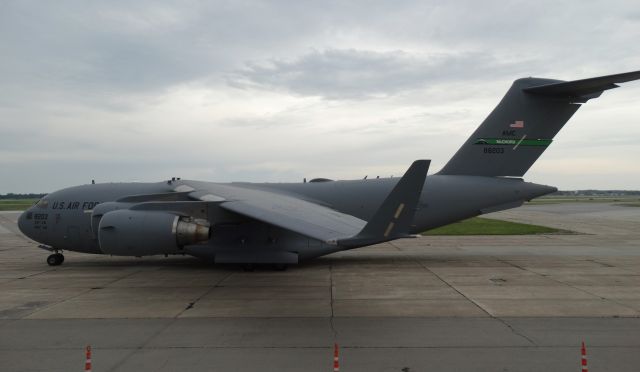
x=516 y=303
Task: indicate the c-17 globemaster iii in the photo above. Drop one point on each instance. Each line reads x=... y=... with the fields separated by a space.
x=286 y=223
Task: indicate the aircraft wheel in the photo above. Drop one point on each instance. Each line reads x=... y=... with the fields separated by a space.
x=248 y=267
x=52 y=260
x=55 y=259
x=280 y=267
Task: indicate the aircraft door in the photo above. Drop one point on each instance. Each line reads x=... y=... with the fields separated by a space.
x=73 y=236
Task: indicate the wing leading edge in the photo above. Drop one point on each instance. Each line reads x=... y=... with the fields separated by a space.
x=391 y=221
x=306 y=218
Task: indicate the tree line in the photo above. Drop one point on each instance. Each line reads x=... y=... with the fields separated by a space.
x=21 y=196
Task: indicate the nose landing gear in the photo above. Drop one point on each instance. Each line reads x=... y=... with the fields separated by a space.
x=55 y=259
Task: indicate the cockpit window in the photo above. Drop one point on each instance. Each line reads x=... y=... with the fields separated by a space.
x=43 y=204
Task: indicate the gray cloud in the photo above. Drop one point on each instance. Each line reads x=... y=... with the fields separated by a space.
x=354 y=74
x=138 y=89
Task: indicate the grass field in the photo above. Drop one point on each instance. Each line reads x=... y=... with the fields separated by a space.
x=16 y=204
x=629 y=204
x=486 y=226
x=620 y=200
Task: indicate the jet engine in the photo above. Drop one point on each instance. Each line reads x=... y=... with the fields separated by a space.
x=126 y=232
x=100 y=211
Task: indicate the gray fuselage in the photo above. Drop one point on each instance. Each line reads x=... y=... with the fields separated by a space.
x=63 y=219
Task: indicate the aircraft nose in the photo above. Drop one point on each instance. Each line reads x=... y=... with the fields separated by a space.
x=23 y=223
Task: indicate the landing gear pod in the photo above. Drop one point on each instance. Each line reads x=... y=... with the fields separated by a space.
x=142 y=233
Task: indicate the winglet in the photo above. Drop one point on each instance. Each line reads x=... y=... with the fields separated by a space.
x=583 y=89
x=393 y=218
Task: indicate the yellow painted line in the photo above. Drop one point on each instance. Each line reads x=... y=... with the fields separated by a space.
x=388 y=231
x=398 y=211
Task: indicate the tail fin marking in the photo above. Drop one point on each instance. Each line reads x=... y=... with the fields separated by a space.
x=524 y=123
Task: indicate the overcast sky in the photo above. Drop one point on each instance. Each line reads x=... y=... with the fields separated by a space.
x=281 y=90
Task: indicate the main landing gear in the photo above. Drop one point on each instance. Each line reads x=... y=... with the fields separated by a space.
x=55 y=259
x=251 y=267
x=280 y=267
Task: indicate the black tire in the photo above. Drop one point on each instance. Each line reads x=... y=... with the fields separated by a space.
x=61 y=258
x=280 y=267
x=53 y=260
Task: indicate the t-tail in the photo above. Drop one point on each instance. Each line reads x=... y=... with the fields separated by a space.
x=524 y=124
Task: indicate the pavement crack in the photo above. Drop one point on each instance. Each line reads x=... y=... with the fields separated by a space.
x=452 y=287
x=144 y=345
x=169 y=324
x=574 y=287
x=603 y=264
x=514 y=331
x=193 y=303
x=54 y=303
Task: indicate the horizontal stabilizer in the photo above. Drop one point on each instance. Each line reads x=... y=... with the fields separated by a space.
x=587 y=88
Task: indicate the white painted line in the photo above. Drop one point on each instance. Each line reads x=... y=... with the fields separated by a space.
x=519 y=142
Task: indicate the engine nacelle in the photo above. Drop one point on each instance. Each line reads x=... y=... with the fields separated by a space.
x=101 y=209
x=128 y=232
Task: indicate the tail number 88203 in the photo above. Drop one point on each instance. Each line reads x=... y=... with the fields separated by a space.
x=494 y=150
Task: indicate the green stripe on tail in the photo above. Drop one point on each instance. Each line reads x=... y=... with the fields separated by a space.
x=513 y=141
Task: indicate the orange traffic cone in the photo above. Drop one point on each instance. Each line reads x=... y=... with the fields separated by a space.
x=336 y=361
x=583 y=351
x=87 y=364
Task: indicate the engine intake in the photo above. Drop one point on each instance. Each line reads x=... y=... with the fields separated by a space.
x=128 y=232
x=101 y=209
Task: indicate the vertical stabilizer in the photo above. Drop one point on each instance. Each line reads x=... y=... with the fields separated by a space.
x=524 y=123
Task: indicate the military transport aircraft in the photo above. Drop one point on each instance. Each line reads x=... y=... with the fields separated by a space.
x=286 y=223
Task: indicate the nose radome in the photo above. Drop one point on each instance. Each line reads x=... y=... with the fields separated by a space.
x=22 y=223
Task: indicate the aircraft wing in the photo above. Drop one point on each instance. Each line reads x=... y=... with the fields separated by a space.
x=392 y=220
x=306 y=218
